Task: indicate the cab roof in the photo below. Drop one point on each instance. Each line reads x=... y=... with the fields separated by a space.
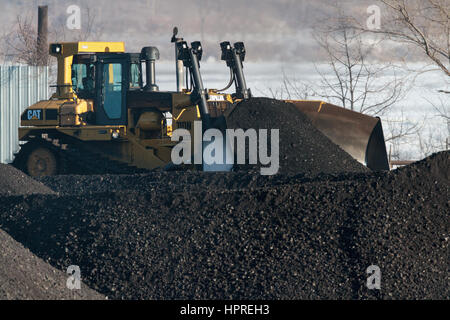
x=71 y=48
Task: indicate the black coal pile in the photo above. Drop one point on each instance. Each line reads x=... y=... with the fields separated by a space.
x=182 y=181
x=284 y=237
x=15 y=182
x=435 y=166
x=302 y=148
x=24 y=276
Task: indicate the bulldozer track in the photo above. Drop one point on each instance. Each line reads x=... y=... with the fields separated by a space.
x=73 y=157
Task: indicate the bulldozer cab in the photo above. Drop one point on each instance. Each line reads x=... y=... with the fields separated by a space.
x=100 y=73
x=105 y=78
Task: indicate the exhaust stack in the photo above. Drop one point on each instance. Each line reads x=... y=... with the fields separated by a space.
x=150 y=55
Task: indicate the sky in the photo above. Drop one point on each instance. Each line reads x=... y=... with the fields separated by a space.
x=271 y=29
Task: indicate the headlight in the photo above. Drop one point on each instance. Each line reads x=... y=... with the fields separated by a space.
x=56 y=48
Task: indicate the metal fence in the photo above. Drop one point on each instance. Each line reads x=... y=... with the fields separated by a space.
x=20 y=87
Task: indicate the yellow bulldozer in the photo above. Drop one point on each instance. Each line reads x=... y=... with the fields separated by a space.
x=107 y=114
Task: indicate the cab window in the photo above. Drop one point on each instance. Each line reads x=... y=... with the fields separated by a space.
x=135 y=74
x=112 y=90
x=83 y=79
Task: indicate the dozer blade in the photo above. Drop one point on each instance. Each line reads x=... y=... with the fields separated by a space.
x=359 y=135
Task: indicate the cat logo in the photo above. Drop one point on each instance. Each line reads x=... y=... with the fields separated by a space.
x=34 y=114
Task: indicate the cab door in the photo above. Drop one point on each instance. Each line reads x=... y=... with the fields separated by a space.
x=111 y=97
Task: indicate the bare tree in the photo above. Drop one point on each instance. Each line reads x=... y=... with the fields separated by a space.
x=431 y=142
x=442 y=109
x=400 y=128
x=290 y=88
x=21 y=42
x=357 y=81
x=424 y=24
x=400 y=132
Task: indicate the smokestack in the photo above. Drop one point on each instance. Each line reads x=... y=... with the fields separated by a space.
x=150 y=55
x=42 y=42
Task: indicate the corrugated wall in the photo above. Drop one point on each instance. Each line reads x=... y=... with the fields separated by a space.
x=20 y=87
